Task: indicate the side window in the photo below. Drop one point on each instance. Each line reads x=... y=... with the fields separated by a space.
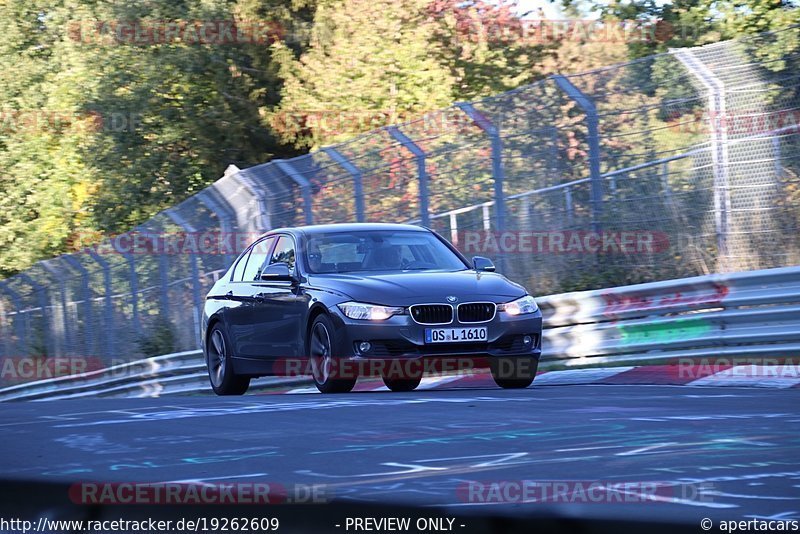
x=257 y=260
x=239 y=269
x=284 y=252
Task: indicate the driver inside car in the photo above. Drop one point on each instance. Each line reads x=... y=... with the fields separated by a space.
x=387 y=257
x=315 y=259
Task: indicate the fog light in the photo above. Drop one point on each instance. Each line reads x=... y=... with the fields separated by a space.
x=364 y=346
x=527 y=340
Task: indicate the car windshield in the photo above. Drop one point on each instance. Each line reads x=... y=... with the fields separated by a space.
x=403 y=250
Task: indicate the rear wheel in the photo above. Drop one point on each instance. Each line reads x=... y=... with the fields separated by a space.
x=324 y=366
x=402 y=384
x=220 y=368
x=514 y=373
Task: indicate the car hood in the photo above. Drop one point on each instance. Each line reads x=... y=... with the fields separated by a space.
x=403 y=289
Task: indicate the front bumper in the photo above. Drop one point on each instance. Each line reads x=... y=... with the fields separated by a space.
x=400 y=337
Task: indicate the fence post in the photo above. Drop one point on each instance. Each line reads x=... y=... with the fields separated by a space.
x=243 y=177
x=19 y=323
x=225 y=225
x=665 y=182
x=134 y=283
x=198 y=307
x=776 y=147
x=524 y=218
x=108 y=310
x=453 y=228
x=155 y=235
x=719 y=144
x=358 y=186
x=422 y=172
x=88 y=319
x=568 y=205
x=41 y=293
x=498 y=172
x=305 y=187
x=69 y=342
x=264 y=219
x=163 y=280
x=592 y=125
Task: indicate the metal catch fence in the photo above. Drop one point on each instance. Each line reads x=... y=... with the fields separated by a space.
x=675 y=165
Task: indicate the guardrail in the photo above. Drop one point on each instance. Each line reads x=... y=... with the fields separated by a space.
x=748 y=314
x=170 y=374
x=755 y=313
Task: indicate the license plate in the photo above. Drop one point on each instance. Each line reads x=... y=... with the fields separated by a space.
x=454 y=335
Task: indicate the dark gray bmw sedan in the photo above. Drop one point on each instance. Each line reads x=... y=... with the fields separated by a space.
x=335 y=297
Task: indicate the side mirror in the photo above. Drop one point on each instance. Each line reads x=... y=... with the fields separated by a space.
x=479 y=263
x=277 y=272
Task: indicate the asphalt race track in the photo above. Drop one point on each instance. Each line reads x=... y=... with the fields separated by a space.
x=722 y=453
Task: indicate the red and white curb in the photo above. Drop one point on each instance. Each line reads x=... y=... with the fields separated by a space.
x=763 y=376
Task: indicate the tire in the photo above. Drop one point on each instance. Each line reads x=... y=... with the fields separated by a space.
x=323 y=363
x=220 y=367
x=515 y=372
x=402 y=384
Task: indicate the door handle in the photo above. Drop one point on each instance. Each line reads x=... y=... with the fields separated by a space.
x=229 y=294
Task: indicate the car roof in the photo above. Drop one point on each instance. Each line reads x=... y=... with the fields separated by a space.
x=346 y=227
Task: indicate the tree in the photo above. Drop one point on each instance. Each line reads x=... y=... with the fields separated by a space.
x=103 y=125
x=682 y=23
x=372 y=63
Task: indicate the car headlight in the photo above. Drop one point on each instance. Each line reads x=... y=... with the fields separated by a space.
x=369 y=312
x=521 y=306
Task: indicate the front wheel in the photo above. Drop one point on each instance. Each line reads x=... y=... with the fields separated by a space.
x=402 y=384
x=513 y=373
x=220 y=368
x=323 y=364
